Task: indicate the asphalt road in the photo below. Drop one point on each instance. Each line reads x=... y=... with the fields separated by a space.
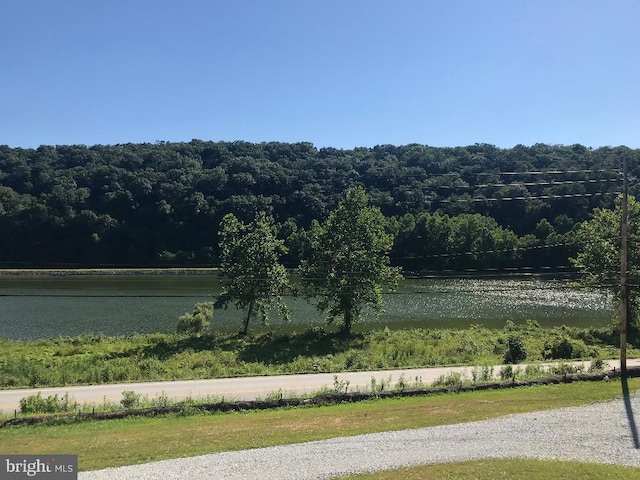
x=244 y=388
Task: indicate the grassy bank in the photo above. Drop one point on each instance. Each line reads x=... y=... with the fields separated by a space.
x=138 y=440
x=99 y=359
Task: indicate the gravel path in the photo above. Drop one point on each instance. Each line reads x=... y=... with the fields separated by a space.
x=603 y=432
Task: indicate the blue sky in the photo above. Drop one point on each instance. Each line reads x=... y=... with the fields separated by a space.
x=339 y=73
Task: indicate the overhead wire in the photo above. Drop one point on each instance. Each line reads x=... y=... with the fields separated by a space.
x=475 y=189
x=532 y=184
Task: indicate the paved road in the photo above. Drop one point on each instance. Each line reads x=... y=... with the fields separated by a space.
x=245 y=388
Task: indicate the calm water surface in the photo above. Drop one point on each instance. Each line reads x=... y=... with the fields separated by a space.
x=50 y=306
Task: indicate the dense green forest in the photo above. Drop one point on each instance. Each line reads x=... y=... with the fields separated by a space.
x=145 y=205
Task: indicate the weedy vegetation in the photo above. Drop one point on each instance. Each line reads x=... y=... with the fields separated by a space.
x=96 y=359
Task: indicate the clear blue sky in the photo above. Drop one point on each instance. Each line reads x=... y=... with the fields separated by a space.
x=340 y=73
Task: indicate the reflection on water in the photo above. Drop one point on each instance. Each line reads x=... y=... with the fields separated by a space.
x=45 y=307
x=485 y=298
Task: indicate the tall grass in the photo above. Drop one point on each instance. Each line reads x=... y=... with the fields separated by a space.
x=99 y=359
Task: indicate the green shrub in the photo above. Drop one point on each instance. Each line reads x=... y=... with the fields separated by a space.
x=564 y=369
x=597 y=365
x=401 y=384
x=198 y=321
x=51 y=404
x=506 y=372
x=534 y=370
x=119 y=370
x=453 y=379
x=130 y=399
x=33 y=404
x=561 y=349
x=340 y=386
x=566 y=348
x=380 y=385
x=516 y=351
x=482 y=374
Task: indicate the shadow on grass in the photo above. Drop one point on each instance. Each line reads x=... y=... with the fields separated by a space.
x=629 y=409
x=284 y=348
x=267 y=347
x=164 y=349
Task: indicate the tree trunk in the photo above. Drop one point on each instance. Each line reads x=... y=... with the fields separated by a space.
x=246 y=320
x=348 y=321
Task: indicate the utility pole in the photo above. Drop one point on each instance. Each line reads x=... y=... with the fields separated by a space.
x=624 y=288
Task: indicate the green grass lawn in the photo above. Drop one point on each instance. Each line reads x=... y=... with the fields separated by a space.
x=101 y=444
x=512 y=469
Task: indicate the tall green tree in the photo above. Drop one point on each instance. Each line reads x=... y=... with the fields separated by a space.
x=256 y=280
x=349 y=265
x=599 y=255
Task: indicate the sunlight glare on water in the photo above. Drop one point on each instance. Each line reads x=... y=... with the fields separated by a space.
x=496 y=301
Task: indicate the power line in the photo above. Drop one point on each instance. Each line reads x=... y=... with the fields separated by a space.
x=533 y=172
x=549 y=172
x=531 y=197
x=532 y=184
x=482 y=252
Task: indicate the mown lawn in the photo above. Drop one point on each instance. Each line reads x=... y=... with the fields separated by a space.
x=511 y=469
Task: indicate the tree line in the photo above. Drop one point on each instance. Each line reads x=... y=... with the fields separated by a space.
x=160 y=204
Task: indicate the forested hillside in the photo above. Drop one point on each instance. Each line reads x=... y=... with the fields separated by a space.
x=160 y=204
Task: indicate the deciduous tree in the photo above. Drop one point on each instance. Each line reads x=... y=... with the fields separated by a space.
x=349 y=263
x=256 y=281
x=599 y=255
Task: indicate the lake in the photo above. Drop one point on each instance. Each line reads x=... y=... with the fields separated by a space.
x=42 y=306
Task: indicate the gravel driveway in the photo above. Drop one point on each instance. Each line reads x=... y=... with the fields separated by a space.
x=602 y=432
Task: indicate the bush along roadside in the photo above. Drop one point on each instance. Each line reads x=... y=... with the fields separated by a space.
x=338 y=394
